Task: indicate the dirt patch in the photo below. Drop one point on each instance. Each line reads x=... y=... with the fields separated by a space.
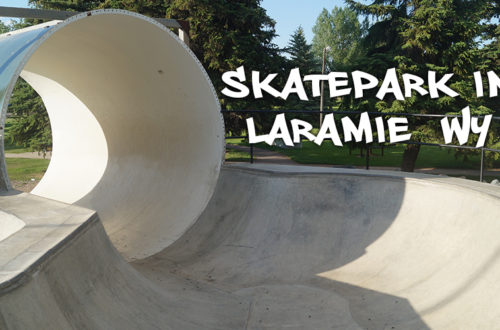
x=25 y=186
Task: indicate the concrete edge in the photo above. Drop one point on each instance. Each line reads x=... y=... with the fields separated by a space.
x=294 y=170
x=22 y=277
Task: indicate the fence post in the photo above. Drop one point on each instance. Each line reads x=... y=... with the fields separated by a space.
x=367 y=156
x=481 y=172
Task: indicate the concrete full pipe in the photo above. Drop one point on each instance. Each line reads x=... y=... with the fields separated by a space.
x=122 y=93
x=136 y=225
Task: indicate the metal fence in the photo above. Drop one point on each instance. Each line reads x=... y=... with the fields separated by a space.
x=368 y=146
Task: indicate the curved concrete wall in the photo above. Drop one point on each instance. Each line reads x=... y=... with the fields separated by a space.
x=137 y=130
x=323 y=248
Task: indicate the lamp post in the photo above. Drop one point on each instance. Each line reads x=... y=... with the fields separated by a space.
x=325 y=50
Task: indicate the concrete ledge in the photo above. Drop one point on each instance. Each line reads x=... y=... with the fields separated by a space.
x=48 y=226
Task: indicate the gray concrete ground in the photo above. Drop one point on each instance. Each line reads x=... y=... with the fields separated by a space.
x=32 y=155
x=444 y=171
x=277 y=247
x=264 y=156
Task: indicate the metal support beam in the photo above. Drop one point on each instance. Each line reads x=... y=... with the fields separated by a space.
x=367 y=156
x=36 y=13
x=184 y=31
x=184 y=36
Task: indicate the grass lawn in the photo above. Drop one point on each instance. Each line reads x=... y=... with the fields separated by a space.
x=8 y=147
x=327 y=153
x=237 y=156
x=25 y=169
x=13 y=149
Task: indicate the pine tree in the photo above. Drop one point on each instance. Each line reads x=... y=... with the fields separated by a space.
x=300 y=52
x=416 y=36
x=31 y=127
x=228 y=34
x=301 y=57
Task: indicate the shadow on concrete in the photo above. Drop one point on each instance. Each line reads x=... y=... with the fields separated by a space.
x=267 y=229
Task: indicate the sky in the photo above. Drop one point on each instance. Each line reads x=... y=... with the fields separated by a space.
x=12 y=3
x=288 y=14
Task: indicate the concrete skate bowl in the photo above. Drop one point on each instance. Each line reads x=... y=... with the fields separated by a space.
x=157 y=235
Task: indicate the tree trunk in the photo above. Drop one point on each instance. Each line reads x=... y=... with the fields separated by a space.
x=410 y=157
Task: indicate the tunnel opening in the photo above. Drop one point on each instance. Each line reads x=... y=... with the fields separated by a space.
x=27 y=137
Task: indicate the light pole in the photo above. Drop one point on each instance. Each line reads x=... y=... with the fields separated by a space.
x=325 y=50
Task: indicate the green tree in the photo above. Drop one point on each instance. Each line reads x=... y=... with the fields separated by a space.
x=416 y=36
x=153 y=8
x=300 y=52
x=31 y=125
x=4 y=28
x=70 y=5
x=301 y=57
x=228 y=34
x=342 y=31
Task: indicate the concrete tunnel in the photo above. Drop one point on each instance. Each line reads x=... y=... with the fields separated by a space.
x=138 y=224
x=122 y=93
